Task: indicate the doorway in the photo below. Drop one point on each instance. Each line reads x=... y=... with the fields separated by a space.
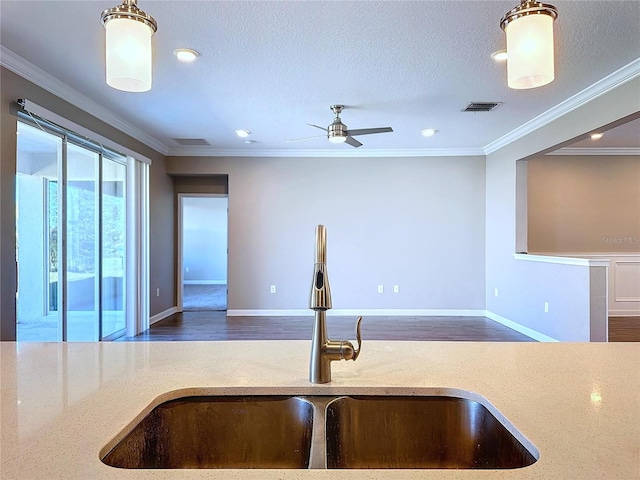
x=203 y=247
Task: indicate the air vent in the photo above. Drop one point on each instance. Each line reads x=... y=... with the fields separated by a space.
x=481 y=106
x=189 y=142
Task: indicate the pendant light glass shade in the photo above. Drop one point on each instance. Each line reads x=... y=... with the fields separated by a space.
x=530 y=56
x=128 y=55
x=128 y=47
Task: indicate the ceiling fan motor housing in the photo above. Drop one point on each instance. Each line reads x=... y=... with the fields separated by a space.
x=337 y=129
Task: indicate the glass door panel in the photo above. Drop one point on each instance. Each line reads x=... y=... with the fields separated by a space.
x=114 y=226
x=82 y=259
x=38 y=317
x=71 y=237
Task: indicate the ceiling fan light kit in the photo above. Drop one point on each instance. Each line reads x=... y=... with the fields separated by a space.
x=128 y=47
x=529 y=30
x=337 y=131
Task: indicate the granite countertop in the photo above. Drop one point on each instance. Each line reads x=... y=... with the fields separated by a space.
x=578 y=404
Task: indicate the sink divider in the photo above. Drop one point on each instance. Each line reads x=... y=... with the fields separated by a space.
x=318 y=454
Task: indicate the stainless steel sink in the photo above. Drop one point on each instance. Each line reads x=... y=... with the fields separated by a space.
x=220 y=432
x=320 y=432
x=419 y=432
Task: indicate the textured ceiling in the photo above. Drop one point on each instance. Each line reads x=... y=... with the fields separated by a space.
x=272 y=66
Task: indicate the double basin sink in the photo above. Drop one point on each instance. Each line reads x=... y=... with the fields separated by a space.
x=321 y=432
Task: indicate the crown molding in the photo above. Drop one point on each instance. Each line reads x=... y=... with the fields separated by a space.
x=203 y=151
x=605 y=152
x=601 y=87
x=36 y=75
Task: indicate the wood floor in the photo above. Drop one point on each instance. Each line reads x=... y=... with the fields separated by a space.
x=624 y=329
x=207 y=326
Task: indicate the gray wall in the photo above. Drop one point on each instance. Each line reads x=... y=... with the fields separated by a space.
x=413 y=222
x=584 y=204
x=525 y=286
x=162 y=274
x=214 y=184
x=13 y=87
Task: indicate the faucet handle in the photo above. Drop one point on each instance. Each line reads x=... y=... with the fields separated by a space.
x=356 y=352
x=347 y=350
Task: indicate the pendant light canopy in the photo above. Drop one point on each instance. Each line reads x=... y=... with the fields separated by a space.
x=128 y=40
x=529 y=30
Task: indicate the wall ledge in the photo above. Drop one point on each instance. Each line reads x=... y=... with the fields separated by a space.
x=585 y=262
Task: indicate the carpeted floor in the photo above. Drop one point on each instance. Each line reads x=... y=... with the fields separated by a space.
x=198 y=298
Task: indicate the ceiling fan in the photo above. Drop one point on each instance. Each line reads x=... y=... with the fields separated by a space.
x=337 y=132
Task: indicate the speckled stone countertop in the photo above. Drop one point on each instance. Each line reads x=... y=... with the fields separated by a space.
x=578 y=404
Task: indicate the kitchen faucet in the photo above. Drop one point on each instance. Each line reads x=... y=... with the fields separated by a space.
x=324 y=350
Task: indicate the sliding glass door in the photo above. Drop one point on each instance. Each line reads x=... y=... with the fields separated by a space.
x=37 y=226
x=82 y=259
x=71 y=238
x=113 y=220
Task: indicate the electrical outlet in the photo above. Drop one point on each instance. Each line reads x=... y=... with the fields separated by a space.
x=396 y=289
x=380 y=289
x=187 y=269
x=273 y=289
x=546 y=307
x=157 y=292
x=495 y=291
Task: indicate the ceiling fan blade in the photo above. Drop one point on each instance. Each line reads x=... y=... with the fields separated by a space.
x=353 y=142
x=367 y=131
x=305 y=138
x=321 y=128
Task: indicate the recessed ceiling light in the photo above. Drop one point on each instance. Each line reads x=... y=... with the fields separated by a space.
x=596 y=136
x=186 y=55
x=428 y=132
x=243 y=133
x=499 y=55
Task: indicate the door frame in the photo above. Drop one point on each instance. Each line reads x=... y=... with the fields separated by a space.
x=180 y=263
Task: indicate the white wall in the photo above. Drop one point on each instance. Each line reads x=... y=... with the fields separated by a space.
x=31 y=255
x=524 y=285
x=204 y=230
x=413 y=222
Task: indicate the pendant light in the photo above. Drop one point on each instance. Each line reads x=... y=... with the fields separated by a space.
x=128 y=40
x=529 y=30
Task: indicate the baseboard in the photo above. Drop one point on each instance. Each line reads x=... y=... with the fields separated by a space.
x=162 y=315
x=624 y=313
x=519 y=328
x=371 y=312
x=204 y=282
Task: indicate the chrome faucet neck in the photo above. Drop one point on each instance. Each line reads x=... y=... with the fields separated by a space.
x=324 y=350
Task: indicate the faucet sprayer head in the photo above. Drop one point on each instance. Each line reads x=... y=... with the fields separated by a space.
x=320 y=298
